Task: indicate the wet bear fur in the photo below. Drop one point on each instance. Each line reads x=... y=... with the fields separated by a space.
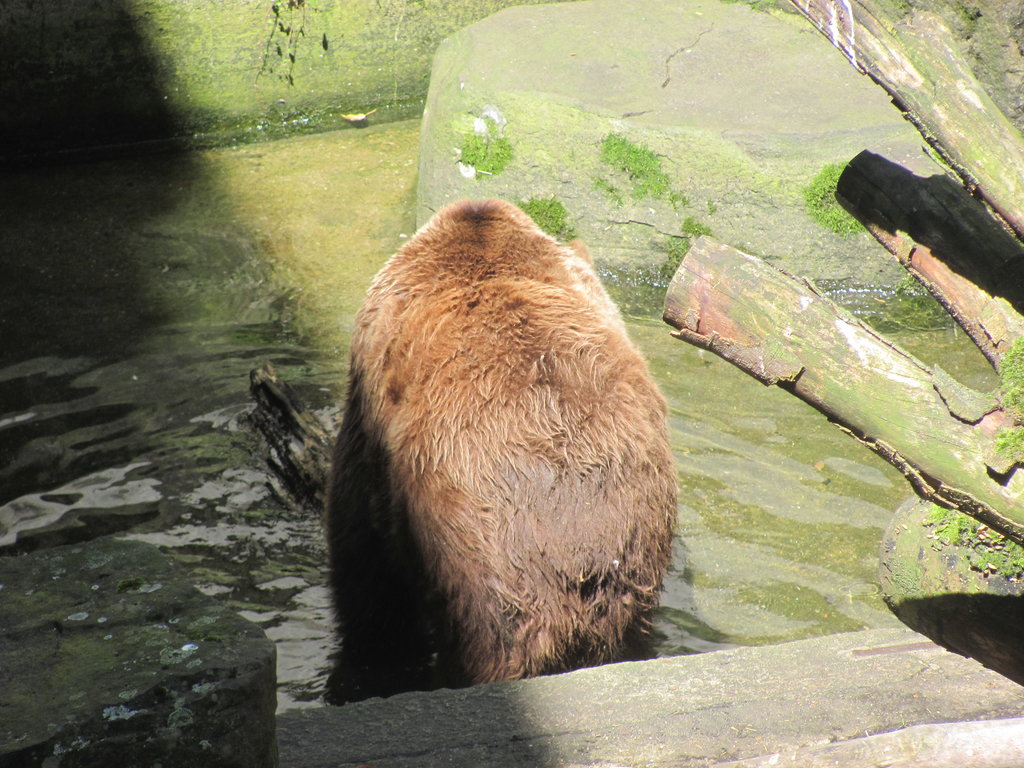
x=502 y=491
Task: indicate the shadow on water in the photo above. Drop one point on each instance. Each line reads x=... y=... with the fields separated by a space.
x=75 y=296
x=132 y=306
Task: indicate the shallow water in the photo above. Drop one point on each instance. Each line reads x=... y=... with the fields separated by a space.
x=136 y=295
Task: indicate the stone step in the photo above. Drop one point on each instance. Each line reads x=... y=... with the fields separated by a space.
x=683 y=711
x=109 y=657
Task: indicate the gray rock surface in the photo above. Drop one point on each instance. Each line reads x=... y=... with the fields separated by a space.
x=682 y=711
x=742 y=107
x=108 y=657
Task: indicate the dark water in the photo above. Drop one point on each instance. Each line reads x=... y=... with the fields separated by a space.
x=135 y=297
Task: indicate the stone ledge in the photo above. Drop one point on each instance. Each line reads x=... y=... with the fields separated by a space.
x=689 y=710
x=108 y=656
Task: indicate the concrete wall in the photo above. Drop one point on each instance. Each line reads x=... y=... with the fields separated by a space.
x=81 y=73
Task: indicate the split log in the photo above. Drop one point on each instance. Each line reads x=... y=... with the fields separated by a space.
x=985 y=744
x=972 y=266
x=298 y=444
x=917 y=61
x=785 y=333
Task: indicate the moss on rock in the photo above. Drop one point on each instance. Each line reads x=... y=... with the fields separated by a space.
x=820 y=198
x=549 y=214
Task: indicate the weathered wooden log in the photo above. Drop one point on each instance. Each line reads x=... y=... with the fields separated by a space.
x=784 y=332
x=960 y=589
x=298 y=444
x=946 y=240
x=916 y=60
x=984 y=744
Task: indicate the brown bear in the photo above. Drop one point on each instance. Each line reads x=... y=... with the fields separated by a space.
x=503 y=493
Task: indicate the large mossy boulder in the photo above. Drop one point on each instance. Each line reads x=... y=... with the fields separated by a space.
x=652 y=121
x=109 y=657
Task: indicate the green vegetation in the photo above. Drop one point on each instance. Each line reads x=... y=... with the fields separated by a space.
x=642 y=168
x=1010 y=444
x=694 y=229
x=986 y=550
x=639 y=163
x=1011 y=381
x=488 y=154
x=678 y=247
x=550 y=215
x=820 y=199
x=765 y=6
x=1010 y=440
x=967 y=16
x=609 y=190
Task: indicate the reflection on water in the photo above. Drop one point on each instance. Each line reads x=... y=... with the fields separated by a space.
x=135 y=297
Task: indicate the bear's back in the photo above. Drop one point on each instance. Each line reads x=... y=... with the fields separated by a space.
x=486 y=345
x=522 y=439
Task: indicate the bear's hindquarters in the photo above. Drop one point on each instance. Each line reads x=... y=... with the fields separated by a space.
x=561 y=577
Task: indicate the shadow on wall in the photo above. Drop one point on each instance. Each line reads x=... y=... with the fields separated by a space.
x=988 y=628
x=81 y=76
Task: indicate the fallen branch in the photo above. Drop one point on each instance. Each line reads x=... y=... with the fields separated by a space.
x=298 y=443
x=916 y=60
x=973 y=267
x=785 y=333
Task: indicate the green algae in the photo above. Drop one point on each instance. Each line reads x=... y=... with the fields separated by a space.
x=822 y=206
x=130 y=584
x=550 y=215
x=678 y=247
x=1010 y=444
x=641 y=167
x=909 y=307
x=986 y=550
x=487 y=154
x=1011 y=381
x=1010 y=440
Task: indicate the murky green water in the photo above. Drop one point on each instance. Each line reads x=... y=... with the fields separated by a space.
x=135 y=296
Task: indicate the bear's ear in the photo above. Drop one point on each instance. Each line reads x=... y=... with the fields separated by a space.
x=581 y=250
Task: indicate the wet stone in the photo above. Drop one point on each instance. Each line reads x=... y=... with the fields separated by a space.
x=108 y=656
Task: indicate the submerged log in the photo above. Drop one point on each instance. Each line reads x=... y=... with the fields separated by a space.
x=972 y=266
x=298 y=444
x=785 y=333
x=916 y=60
